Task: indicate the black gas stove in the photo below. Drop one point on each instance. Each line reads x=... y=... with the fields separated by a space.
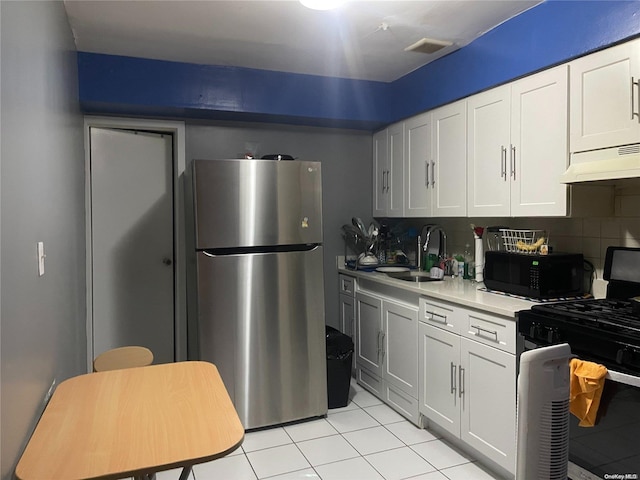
x=607 y=330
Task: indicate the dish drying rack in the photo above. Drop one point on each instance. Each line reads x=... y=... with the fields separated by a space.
x=525 y=241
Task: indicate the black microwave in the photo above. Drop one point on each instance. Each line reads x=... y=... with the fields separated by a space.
x=554 y=275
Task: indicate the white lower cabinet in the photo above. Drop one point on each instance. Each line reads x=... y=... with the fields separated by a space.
x=488 y=421
x=438 y=370
x=347 y=314
x=347 y=305
x=468 y=387
x=387 y=351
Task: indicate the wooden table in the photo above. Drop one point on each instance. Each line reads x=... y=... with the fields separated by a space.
x=133 y=422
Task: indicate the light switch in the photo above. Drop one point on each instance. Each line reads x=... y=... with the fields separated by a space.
x=41 y=256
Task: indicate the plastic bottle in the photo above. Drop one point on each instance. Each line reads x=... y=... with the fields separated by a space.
x=469 y=263
x=460 y=265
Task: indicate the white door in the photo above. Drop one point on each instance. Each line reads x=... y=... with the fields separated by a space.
x=488 y=140
x=368 y=332
x=439 y=396
x=539 y=152
x=347 y=314
x=132 y=241
x=400 y=347
x=449 y=169
x=395 y=179
x=348 y=319
x=605 y=98
x=489 y=392
x=417 y=137
x=380 y=174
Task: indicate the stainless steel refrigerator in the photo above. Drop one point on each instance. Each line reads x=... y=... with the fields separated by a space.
x=260 y=286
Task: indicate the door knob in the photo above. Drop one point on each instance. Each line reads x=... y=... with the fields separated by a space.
x=166 y=261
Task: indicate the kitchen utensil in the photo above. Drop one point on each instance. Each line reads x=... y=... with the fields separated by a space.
x=351 y=230
x=358 y=223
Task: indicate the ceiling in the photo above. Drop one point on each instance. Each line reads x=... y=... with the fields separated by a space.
x=360 y=40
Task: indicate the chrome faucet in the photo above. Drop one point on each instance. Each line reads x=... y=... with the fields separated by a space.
x=427 y=230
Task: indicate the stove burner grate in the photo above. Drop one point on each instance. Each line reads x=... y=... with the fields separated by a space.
x=611 y=315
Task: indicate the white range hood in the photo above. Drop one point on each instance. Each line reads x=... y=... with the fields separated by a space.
x=604 y=164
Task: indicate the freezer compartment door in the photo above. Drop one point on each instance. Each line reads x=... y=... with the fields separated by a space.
x=254 y=203
x=261 y=321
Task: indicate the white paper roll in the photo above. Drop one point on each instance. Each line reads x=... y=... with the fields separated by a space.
x=479 y=259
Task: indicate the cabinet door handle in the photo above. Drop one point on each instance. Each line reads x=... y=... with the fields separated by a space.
x=388 y=180
x=433 y=173
x=440 y=318
x=633 y=100
x=460 y=382
x=490 y=332
x=384 y=172
x=426 y=173
x=513 y=161
x=382 y=346
x=379 y=335
x=503 y=162
x=453 y=378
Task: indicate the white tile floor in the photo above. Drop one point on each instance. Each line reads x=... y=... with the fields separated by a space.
x=364 y=441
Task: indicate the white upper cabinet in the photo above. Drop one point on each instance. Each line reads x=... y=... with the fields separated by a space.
x=488 y=149
x=539 y=146
x=380 y=169
x=449 y=167
x=435 y=163
x=388 y=172
x=418 y=166
x=396 y=175
x=517 y=147
x=605 y=98
x=501 y=153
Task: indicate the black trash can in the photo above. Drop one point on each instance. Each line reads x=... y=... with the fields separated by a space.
x=339 y=360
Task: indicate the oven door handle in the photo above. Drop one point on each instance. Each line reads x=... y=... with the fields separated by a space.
x=624 y=378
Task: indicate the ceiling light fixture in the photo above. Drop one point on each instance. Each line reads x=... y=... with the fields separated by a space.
x=322 y=4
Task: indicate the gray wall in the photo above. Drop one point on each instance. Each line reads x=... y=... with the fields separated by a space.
x=346 y=176
x=42 y=186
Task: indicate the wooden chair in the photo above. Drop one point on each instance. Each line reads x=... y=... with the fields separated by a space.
x=123 y=357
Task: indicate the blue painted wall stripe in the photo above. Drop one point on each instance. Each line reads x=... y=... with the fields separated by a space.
x=550 y=33
x=145 y=85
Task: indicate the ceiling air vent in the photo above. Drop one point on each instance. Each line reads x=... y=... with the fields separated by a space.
x=427 y=45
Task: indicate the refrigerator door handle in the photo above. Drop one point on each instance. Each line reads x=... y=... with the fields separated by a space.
x=224 y=252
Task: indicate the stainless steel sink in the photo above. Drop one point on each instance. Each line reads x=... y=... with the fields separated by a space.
x=415 y=276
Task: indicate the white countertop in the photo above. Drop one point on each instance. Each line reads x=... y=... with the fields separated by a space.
x=455 y=290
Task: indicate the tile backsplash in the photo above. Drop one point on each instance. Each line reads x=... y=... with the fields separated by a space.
x=589 y=235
